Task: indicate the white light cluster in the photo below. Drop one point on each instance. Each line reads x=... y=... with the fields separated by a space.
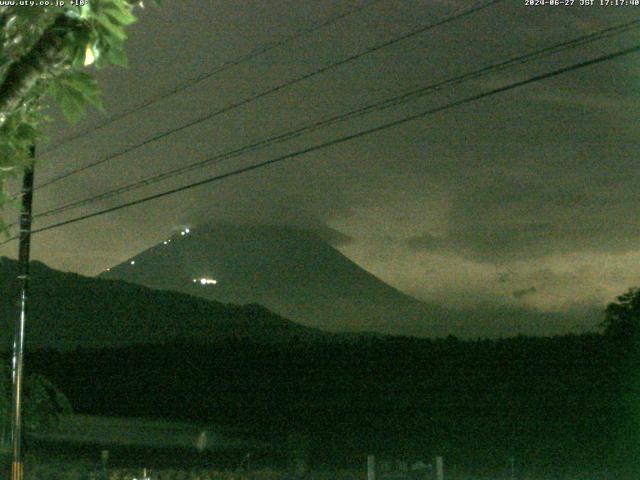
x=205 y=281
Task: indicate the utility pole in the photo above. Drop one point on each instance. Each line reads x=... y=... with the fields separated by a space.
x=17 y=469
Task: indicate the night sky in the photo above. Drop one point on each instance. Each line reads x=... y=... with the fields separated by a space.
x=528 y=198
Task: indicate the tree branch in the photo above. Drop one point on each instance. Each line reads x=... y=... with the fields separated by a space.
x=46 y=56
x=24 y=74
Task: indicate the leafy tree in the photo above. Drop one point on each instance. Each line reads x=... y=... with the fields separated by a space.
x=622 y=318
x=44 y=52
x=43 y=404
x=622 y=325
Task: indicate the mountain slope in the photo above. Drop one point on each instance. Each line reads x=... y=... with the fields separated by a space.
x=293 y=272
x=67 y=310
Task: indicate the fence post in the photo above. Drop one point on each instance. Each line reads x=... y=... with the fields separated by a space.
x=439 y=468
x=371 y=467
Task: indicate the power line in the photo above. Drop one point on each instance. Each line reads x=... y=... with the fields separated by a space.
x=219 y=69
x=340 y=140
x=384 y=104
x=275 y=89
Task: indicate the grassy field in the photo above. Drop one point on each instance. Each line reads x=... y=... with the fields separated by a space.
x=180 y=451
x=82 y=471
x=142 y=432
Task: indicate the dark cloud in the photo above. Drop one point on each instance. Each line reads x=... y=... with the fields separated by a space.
x=524 y=292
x=427 y=243
x=495 y=243
x=333 y=237
x=503 y=277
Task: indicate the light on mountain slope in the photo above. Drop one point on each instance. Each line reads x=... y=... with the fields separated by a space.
x=205 y=281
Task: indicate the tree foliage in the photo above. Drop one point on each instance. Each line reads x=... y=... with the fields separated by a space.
x=43 y=403
x=622 y=318
x=44 y=52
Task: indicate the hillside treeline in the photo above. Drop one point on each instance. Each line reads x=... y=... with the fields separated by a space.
x=560 y=404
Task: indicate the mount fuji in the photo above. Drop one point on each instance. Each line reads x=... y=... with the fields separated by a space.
x=291 y=271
